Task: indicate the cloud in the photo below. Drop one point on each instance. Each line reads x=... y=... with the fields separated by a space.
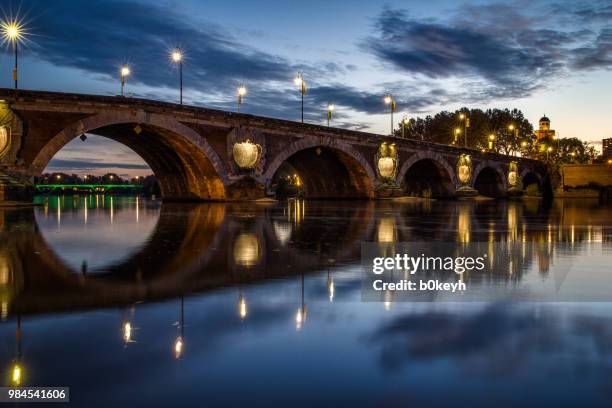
x=495 y=51
x=100 y=36
x=86 y=163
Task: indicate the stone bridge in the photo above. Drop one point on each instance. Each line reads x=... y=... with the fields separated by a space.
x=205 y=154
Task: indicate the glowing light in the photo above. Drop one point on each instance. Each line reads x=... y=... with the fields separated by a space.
x=405 y=121
x=491 y=137
x=178 y=347
x=388 y=99
x=125 y=71
x=462 y=116
x=177 y=55
x=300 y=318
x=457 y=131
x=242 y=308
x=510 y=127
x=550 y=149
x=298 y=80
x=330 y=107
x=331 y=289
x=58 y=177
x=127 y=332
x=11 y=30
x=242 y=90
x=246 y=250
x=16 y=374
x=524 y=143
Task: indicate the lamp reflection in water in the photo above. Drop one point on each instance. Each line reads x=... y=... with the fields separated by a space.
x=16 y=374
x=179 y=342
x=282 y=230
x=386 y=230
x=6 y=280
x=300 y=316
x=387 y=234
x=296 y=211
x=330 y=285
x=127 y=330
x=246 y=250
x=247 y=254
x=463 y=223
x=242 y=305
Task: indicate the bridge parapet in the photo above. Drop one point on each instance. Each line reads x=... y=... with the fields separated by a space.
x=192 y=150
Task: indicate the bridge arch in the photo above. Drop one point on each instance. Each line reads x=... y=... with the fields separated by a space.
x=186 y=166
x=427 y=171
x=328 y=169
x=489 y=178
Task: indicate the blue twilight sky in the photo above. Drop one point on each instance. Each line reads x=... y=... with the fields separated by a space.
x=543 y=57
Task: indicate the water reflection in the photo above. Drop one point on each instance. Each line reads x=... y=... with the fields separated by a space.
x=260 y=281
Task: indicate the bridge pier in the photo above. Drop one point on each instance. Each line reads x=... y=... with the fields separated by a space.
x=15 y=188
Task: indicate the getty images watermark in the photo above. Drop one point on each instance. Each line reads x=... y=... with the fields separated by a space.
x=481 y=271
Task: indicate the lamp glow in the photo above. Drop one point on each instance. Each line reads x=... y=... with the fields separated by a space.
x=242 y=308
x=177 y=55
x=16 y=374
x=178 y=347
x=127 y=332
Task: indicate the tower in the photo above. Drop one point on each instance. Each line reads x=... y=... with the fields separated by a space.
x=544 y=132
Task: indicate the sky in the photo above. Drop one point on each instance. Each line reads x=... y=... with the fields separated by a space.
x=542 y=57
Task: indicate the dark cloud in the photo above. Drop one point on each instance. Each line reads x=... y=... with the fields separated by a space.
x=98 y=35
x=439 y=50
x=497 y=51
x=598 y=55
x=92 y=164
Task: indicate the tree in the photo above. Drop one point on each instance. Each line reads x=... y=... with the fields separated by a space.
x=444 y=126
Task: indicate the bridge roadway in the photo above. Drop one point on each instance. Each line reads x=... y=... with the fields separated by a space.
x=197 y=153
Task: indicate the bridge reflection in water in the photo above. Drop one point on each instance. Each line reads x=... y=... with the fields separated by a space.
x=230 y=286
x=94 y=251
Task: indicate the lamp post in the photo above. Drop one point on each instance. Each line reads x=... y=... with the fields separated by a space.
x=548 y=150
x=457 y=133
x=241 y=93
x=125 y=71
x=330 y=109
x=177 y=57
x=405 y=122
x=491 y=140
x=524 y=148
x=392 y=106
x=12 y=33
x=299 y=81
x=463 y=117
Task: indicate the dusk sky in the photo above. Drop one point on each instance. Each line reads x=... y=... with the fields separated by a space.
x=550 y=58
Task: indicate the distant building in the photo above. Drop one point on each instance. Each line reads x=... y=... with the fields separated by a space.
x=544 y=132
x=606 y=148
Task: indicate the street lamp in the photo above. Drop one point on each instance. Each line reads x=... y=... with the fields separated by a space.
x=11 y=31
x=457 y=133
x=463 y=117
x=548 y=150
x=330 y=109
x=392 y=106
x=299 y=81
x=177 y=57
x=125 y=71
x=405 y=123
x=491 y=140
x=241 y=93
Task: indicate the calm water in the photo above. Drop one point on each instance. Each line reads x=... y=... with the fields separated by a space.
x=130 y=302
